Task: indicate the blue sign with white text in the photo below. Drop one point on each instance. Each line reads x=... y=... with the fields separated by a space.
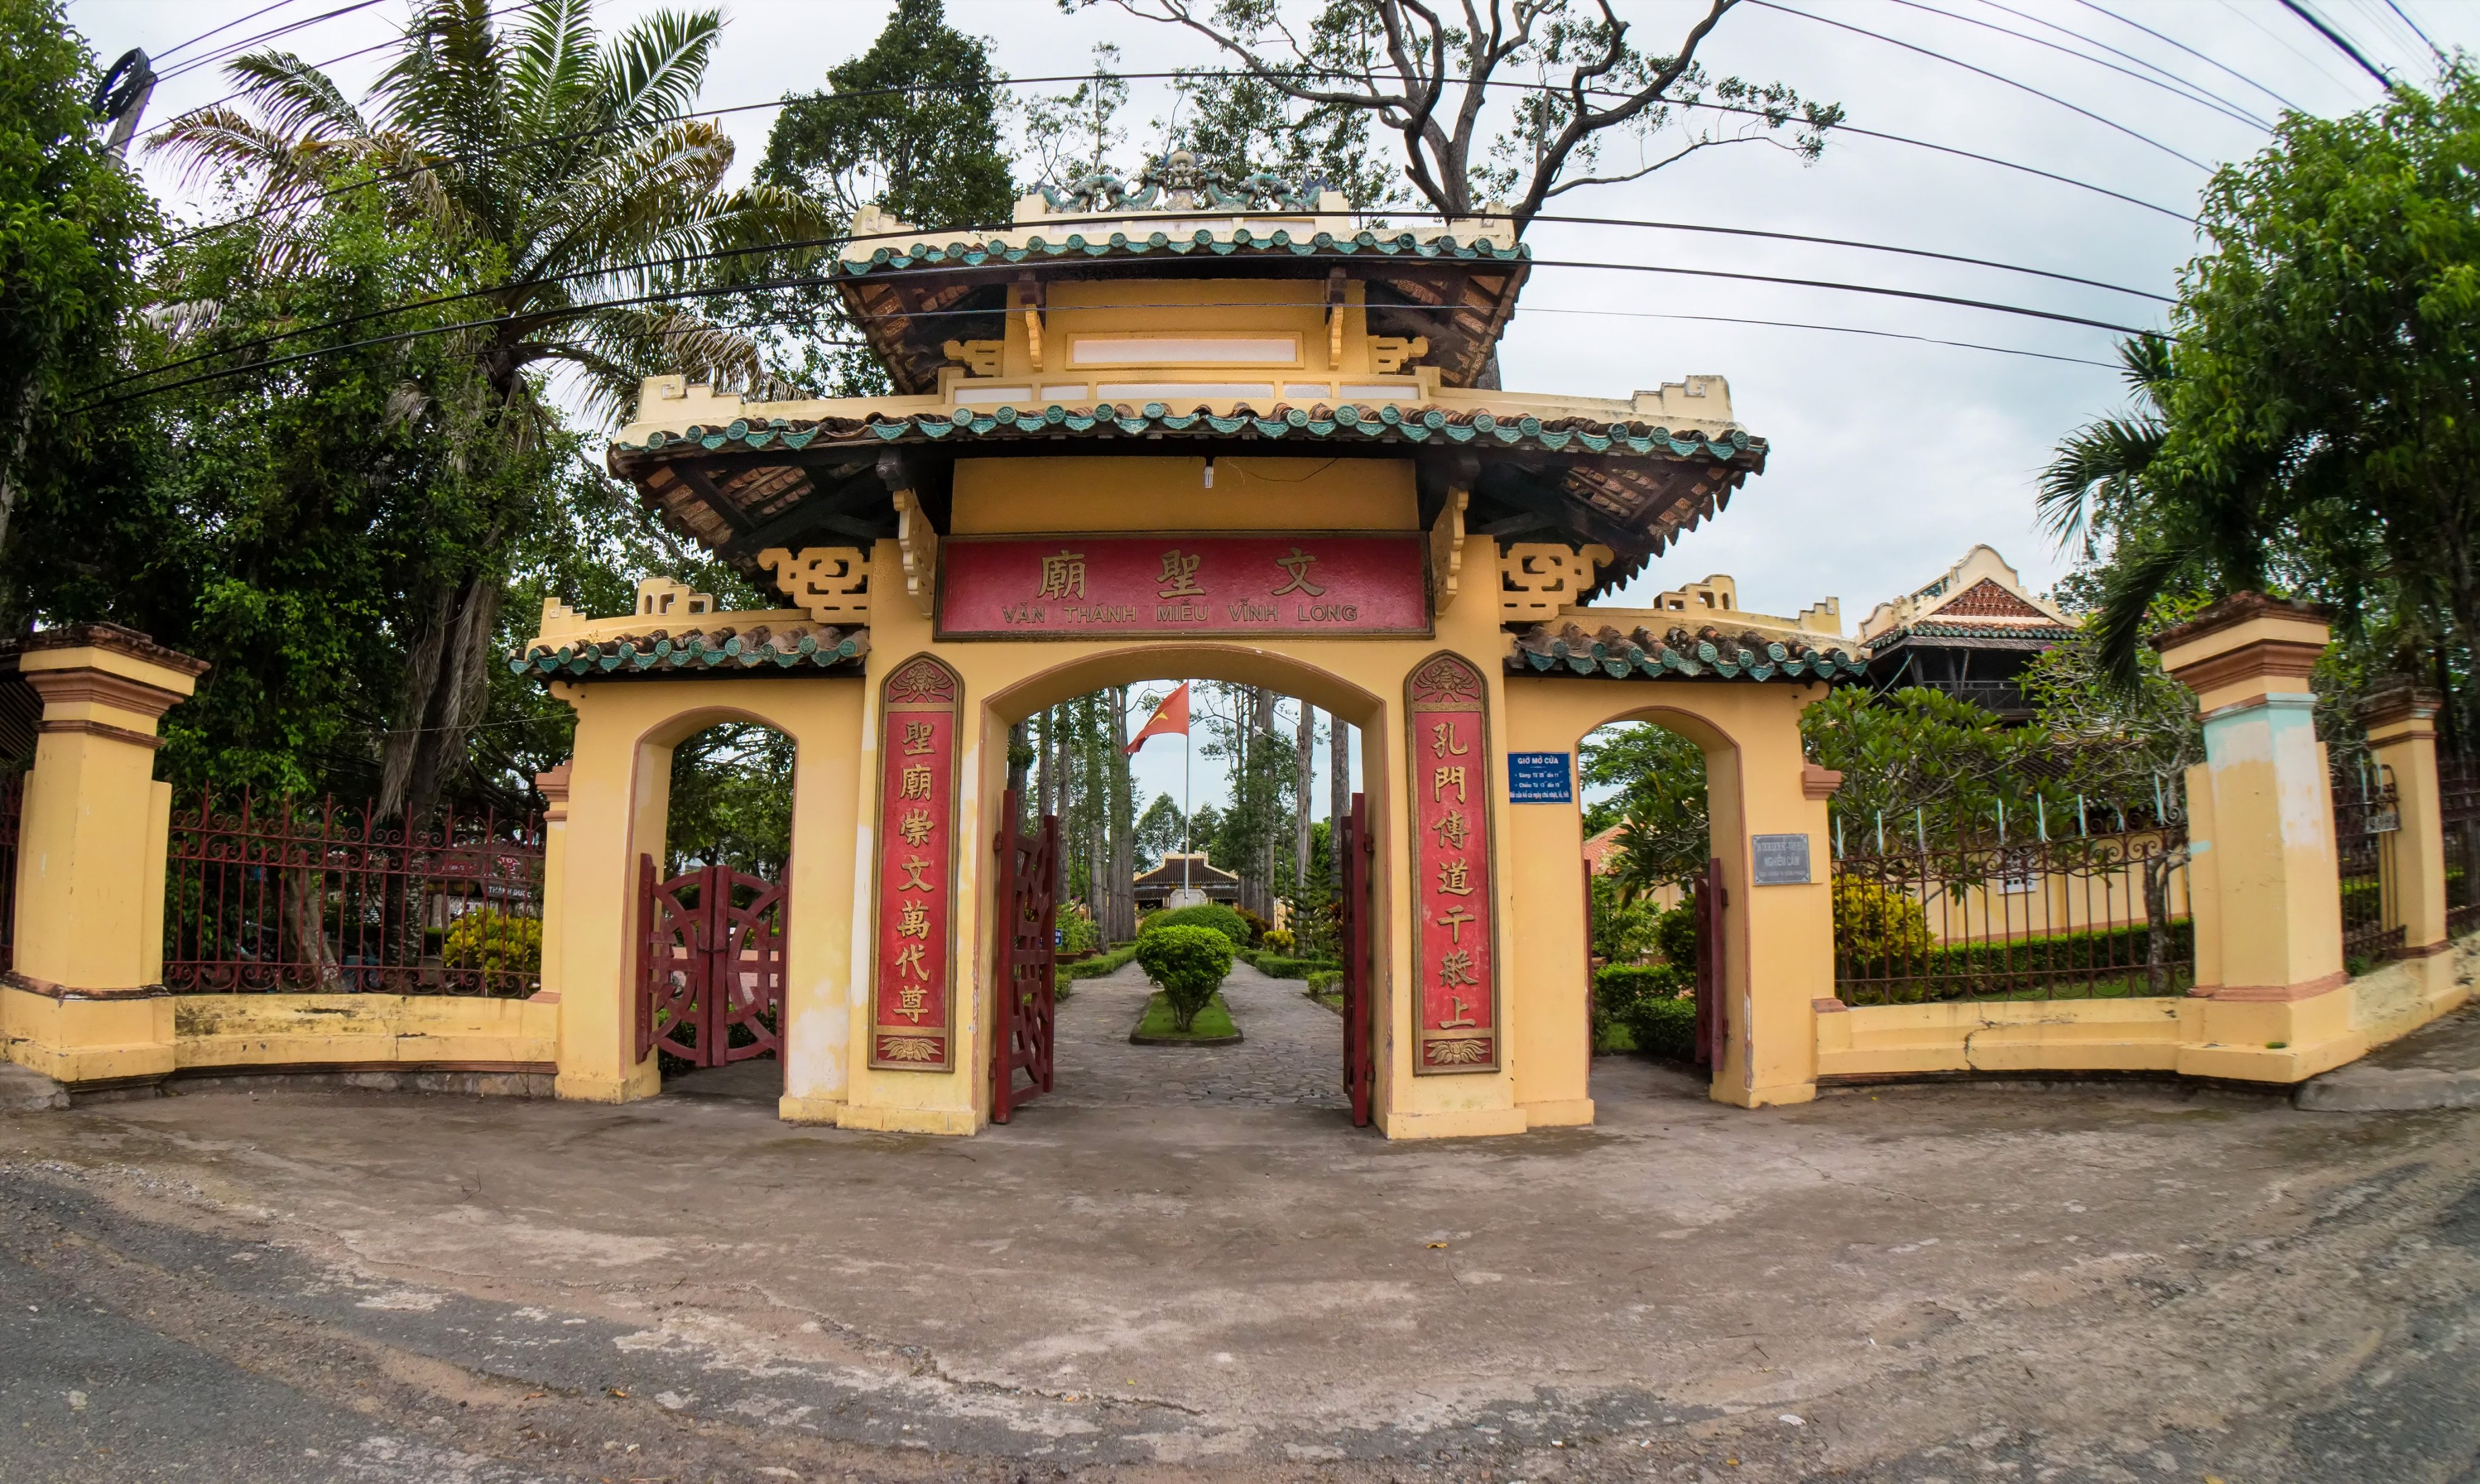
x=1540 y=777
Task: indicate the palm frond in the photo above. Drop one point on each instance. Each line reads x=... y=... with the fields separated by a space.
x=295 y=98
x=2119 y=624
x=2095 y=475
x=652 y=70
x=552 y=71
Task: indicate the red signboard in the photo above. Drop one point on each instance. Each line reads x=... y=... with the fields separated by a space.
x=911 y=1005
x=1454 y=937
x=1073 y=587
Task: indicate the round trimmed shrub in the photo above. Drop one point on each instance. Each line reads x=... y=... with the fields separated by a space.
x=1189 y=962
x=1875 y=928
x=1205 y=914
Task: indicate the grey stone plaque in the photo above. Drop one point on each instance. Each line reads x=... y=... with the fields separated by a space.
x=1781 y=860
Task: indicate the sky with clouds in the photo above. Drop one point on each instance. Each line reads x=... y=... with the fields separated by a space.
x=1889 y=456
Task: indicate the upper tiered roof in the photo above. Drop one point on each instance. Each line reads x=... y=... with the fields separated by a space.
x=1187 y=315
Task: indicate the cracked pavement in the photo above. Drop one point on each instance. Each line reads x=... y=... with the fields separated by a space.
x=2100 y=1281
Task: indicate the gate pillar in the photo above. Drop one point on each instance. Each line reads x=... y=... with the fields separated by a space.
x=85 y=1000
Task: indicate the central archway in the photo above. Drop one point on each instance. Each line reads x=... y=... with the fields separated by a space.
x=1086 y=673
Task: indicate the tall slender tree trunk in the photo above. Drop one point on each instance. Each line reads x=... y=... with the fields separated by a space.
x=1304 y=782
x=1338 y=794
x=1261 y=729
x=1019 y=746
x=1124 y=824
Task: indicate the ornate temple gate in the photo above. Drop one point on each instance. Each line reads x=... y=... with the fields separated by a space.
x=709 y=963
x=1356 y=850
x=1024 y=958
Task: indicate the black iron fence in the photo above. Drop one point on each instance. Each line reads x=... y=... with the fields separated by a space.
x=271 y=894
x=2368 y=821
x=2081 y=916
x=12 y=801
x=2459 y=798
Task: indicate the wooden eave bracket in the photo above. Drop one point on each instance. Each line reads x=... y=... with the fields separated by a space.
x=1334 y=306
x=914 y=535
x=1447 y=549
x=1028 y=290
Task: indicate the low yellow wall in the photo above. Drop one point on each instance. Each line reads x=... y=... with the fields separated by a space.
x=2249 y=1041
x=441 y=1031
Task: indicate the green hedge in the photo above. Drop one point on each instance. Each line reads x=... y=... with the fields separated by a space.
x=1664 y=1028
x=1096 y=966
x=1279 y=966
x=1205 y=914
x=1326 y=980
x=2115 y=948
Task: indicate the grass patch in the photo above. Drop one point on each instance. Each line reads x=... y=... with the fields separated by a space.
x=1212 y=1023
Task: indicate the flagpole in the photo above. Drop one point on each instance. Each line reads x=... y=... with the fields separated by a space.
x=1187 y=823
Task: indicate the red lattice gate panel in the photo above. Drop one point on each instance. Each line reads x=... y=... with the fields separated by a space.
x=1026 y=1012
x=1357 y=851
x=710 y=964
x=1709 y=899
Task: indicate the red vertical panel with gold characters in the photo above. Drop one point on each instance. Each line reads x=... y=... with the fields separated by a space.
x=1454 y=931
x=913 y=1000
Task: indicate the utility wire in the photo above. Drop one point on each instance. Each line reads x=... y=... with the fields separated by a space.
x=505 y=10
x=682 y=260
x=2194 y=87
x=2433 y=48
x=2107 y=123
x=2094 y=4
x=573 y=311
x=2341 y=43
x=202 y=36
x=2316 y=63
x=2225 y=110
x=384 y=177
x=287 y=29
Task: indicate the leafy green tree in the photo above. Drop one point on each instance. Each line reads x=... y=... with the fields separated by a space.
x=2318 y=411
x=554 y=165
x=1659 y=802
x=911 y=126
x=73 y=224
x=1158 y=831
x=732 y=800
x=1921 y=765
x=286 y=524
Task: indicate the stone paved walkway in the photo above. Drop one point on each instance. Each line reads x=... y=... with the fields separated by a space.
x=1291 y=1055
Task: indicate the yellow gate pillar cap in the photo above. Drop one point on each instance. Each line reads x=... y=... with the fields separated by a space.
x=2245 y=648
x=2400 y=709
x=160 y=675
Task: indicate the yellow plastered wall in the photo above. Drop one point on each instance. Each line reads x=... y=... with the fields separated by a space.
x=1361 y=680
x=619 y=793
x=1778 y=941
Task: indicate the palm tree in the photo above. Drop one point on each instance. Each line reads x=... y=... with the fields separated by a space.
x=2155 y=521
x=555 y=163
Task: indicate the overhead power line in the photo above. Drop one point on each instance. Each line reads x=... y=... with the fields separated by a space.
x=792 y=281
x=2175 y=79
x=1995 y=77
x=2404 y=16
x=2341 y=43
x=172 y=51
x=2226 y=111
x=287 y=29
x=683 y=260
x=2166 y=40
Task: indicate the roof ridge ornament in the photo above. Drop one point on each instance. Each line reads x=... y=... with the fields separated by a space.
x=1178 y=181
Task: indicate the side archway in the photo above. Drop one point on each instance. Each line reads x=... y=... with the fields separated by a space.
x=619 y=800
x=1778 y=939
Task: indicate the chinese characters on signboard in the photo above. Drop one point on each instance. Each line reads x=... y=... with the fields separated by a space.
x=1454 y=939
x=913 y=1018
x=1073 y=587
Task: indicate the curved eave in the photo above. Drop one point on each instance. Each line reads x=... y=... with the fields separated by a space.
x=1676 y=655
x=1630 y=486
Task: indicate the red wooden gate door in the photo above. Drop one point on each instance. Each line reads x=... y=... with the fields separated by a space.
x=1027 y=1015
x=710 y=964
x=1709 y=899
x=1357 y=853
